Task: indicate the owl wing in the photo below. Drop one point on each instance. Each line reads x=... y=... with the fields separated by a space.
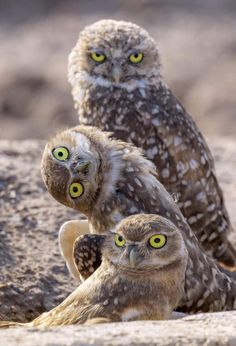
x=175 y=131
x=186 y=167
x=87 y=253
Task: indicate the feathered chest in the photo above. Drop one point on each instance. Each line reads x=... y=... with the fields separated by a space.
x=108 y=107
x=145 y=111
x=153 y=119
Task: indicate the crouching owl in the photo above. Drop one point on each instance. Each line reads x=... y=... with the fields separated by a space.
x=141 y=276
x=114 y=71
x=109 y=180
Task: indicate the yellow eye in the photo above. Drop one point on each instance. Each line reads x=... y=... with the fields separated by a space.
x=135 y=58
x=61 y=153
x=119 y=240
x=98 y=57
x=76 y=190
x=157 y=241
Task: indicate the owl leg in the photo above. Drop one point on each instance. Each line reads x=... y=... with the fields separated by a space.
x=87 y=254
x=68 y=233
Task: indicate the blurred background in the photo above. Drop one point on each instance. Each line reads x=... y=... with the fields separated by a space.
x=197 y=41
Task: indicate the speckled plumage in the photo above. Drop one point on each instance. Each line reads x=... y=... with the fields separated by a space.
x=123 y=289
x=120 y=182
x=142 y=109
x=87 y=254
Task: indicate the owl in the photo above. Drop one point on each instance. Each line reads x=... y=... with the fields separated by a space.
x=115 y=74
x=141 y=276
x=108 y=180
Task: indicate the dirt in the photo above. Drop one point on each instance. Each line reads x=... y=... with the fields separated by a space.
x=215 y=329
x=33 y=276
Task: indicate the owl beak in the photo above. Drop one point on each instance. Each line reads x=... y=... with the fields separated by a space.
x=116 y=73
x=134 y=255
x=81 y=165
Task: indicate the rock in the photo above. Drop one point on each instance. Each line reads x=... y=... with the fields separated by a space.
x=203 y=329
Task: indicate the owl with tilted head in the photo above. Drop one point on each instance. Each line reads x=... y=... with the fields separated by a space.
x=115 y=74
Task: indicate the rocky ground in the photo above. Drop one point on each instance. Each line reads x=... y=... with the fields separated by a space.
x=204 y=329
x=33 y=277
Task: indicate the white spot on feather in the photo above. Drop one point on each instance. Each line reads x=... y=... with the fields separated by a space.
x=142 y=92
x=192 y=220
x=138 y=182
x=156 y=122
x=200 y=196
x=165 y=173
x=177 y=141
x=193 y=164
x=211 y=207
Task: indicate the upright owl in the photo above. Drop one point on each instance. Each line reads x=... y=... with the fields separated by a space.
x=141 y=276
x=114 y=71
x=109 y=180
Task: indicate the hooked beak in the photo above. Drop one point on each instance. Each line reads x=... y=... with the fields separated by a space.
x=134 y=256
x=81 y=165
x=116 y=73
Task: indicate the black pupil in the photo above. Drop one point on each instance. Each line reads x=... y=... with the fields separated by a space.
x=157 y=240
x=75 y=189
x=60 y=153
x=98 y=55
x=136 y=55
x=120 y=238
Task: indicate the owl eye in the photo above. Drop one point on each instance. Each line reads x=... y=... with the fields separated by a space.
x=98 y=57
x=119 y=240
x=76 y=190
x=61 y=153
x=135 y=58
x=157 y=241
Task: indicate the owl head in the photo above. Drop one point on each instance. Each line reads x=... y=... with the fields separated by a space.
x=112 y=52
x=70 y=168
x=144 y=242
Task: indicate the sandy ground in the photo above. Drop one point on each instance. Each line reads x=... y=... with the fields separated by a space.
x=33 y=276
x=216 y=329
